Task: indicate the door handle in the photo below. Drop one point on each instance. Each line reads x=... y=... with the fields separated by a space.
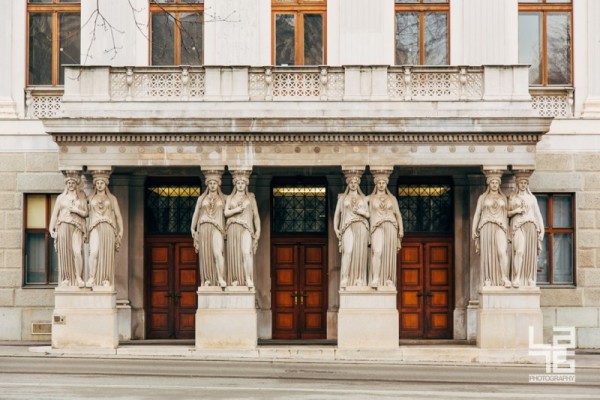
x=176 y=296
x=302 y=297
x=420 y=293
x=295 y=296
x=429 y=294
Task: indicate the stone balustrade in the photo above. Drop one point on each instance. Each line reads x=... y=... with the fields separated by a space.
x=301 y=84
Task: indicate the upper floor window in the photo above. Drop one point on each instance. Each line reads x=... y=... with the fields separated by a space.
x=54 y=31
x=41 y=262
x=545 y=41
x=422 y=32
x=557 y=258
x=177 y=32
x=298 y=29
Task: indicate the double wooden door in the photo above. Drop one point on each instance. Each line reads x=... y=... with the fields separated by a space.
x=299 y=288
x=172 y=278
x=425 y=287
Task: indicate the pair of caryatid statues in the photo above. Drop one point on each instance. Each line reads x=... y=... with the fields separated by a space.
x=499 y=220
x=360 y=220
x=77 y=218
x=226 y=230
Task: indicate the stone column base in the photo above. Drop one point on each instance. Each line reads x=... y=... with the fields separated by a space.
x=505 y=315
x=84 y=318
x=367 y=319
x=226 y=319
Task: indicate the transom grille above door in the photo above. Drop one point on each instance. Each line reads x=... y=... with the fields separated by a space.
x=299 y=208
x=170 y=207
x=426 y=207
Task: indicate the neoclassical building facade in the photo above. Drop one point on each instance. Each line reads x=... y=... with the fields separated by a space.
x=297 y=92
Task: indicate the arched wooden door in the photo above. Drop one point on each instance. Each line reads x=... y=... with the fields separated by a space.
x=426 y=260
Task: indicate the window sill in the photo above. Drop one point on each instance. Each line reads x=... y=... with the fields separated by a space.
x=40 y=286
x=557 y=286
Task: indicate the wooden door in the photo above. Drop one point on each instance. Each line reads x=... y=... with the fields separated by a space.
x=425 y=288
x=299 y=288
x=172 y=281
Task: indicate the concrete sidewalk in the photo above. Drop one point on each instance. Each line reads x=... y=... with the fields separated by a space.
x=405 y=354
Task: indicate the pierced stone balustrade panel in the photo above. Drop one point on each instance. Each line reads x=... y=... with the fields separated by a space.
x=296 y=85
x=43 y=104
x=549 y=103
x=257 y=86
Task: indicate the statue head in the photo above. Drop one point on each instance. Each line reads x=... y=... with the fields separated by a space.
x=241 y=176
x=72 y=176
x=213 y=175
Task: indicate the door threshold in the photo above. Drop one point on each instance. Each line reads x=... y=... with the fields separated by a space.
x=436 y=342
x=158 y=342
x=297 y=342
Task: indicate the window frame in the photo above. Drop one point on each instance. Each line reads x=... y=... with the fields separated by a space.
x=549 y=230
x=298 y=181
x=421 y=9
x=544 y=9
x=175 y=9
x=55 y=8
x=48 y=241
x=298 y=8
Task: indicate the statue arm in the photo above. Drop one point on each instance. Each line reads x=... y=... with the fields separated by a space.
x=118 y=216
x=256 y=218
x=477 y=217
x=54 y=217
x=228 y=212
x=337 y=216
x=196 y=216
x=82 y=211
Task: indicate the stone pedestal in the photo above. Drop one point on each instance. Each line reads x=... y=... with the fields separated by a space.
x=84 y=318
x=226 y=319
x=505 y=315
x=367 y=319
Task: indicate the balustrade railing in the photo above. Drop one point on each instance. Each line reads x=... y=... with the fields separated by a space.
x=308 y=83
x=553 y=102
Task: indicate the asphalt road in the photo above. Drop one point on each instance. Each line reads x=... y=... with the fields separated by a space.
x=89 y=378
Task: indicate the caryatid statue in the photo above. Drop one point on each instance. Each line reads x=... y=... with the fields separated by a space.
x=386 y=231
x=105 y=232
x=208 y=231
x=351 y=225
x=242 y=231
x=490 y=232
x=68 y=228
x=527 y=231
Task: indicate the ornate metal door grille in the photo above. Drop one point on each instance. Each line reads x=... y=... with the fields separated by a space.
x=299 y=209
x=170 y=207
x=426 y=208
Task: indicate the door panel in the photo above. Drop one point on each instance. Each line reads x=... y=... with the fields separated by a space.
x=425 y=288
x=410 y=290
x=172 y=282
x=299 y=277
x=438 y=309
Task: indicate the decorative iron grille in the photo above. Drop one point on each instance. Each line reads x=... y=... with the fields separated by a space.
x=426 y=207
x=169 y=208
x=299 y=209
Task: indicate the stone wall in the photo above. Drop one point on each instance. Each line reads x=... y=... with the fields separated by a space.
x=568 y=161
x=20 y=307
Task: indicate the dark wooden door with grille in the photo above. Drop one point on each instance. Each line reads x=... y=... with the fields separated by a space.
x=425 y=288
x=171 y=284
x=299 y=288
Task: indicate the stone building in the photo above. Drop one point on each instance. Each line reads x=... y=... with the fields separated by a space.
x=439 y=92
